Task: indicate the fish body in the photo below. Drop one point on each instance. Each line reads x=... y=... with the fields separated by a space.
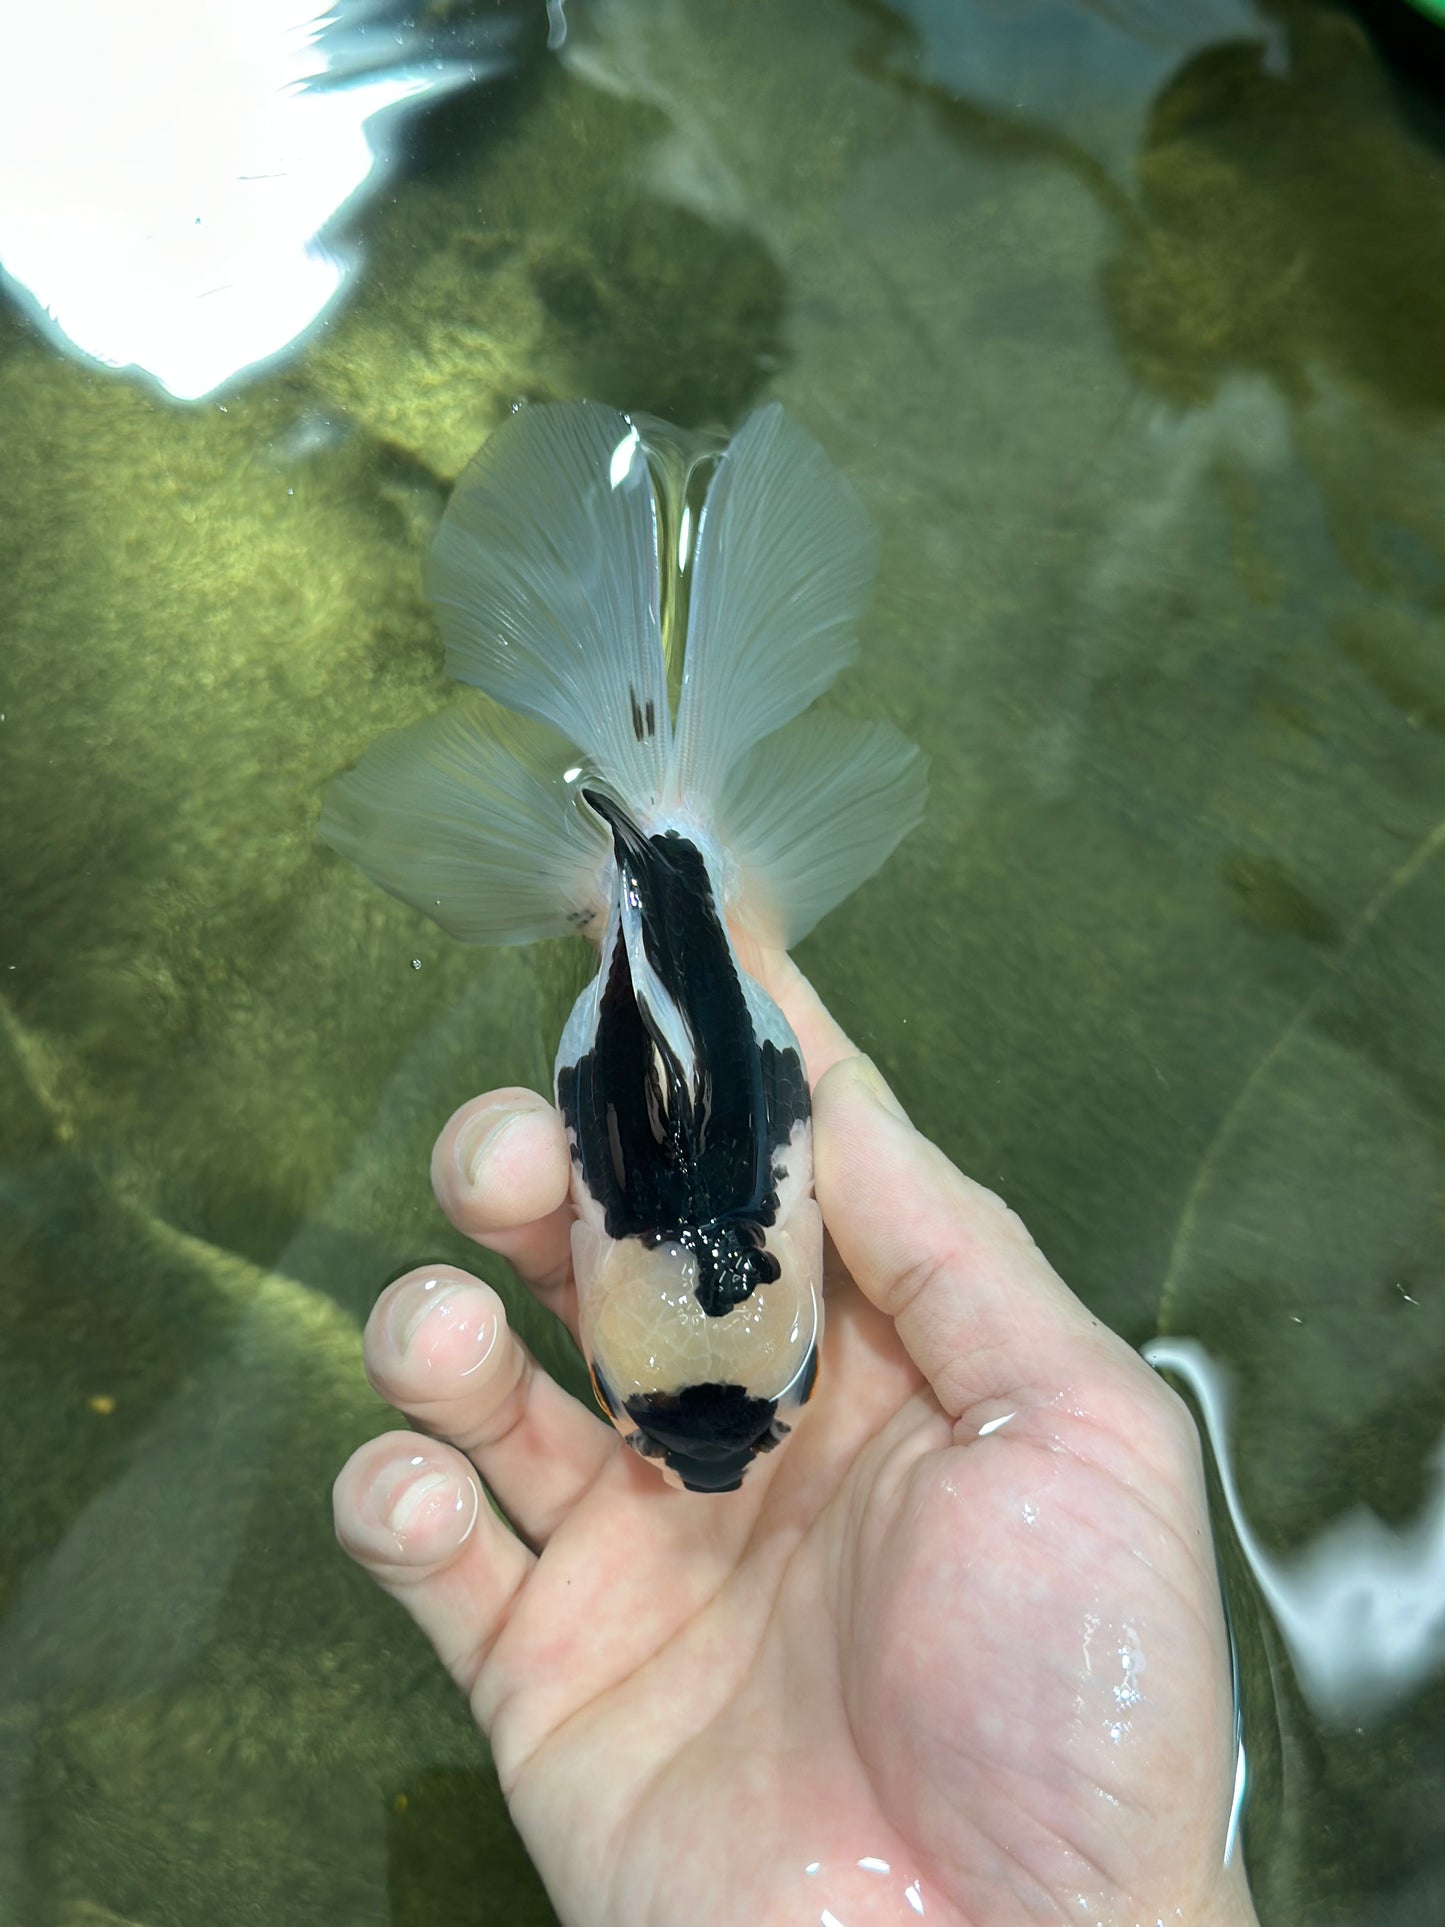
x=697 y=1247
x=657 y=613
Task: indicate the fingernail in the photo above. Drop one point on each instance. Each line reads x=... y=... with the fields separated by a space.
x=406 y=1496
x=407 y=1503
x=877 y=1087
x=412 y=1306
x=479 y=1140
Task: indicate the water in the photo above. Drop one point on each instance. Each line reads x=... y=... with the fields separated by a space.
x=1138 y=372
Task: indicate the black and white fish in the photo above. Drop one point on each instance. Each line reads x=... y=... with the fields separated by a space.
x=656 y=613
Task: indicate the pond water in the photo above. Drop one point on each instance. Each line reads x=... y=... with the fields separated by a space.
x=1126 y=320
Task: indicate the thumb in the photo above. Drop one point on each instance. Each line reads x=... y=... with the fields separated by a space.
x=978 y=1307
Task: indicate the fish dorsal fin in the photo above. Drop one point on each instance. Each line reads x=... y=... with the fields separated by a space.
x=545 y=576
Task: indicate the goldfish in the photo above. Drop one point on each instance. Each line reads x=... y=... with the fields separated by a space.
x=651 y=615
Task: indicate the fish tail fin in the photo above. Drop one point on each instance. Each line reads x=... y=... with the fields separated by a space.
x=545 y=577
x=810 y=813
x=574 y=544
x=469 y=817
x=546 y=581
x=781 y=573
x=807 y=805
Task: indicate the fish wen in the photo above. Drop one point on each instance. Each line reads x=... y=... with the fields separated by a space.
x=654 y=613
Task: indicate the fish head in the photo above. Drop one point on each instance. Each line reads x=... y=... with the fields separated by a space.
x=698 y=1380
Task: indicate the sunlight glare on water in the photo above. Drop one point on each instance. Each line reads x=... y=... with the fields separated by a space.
x=195 y=256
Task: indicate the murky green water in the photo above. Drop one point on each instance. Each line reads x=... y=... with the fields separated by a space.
x=1131 y=334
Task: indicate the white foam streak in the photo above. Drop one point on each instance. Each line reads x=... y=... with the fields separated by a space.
x=1362 y=1610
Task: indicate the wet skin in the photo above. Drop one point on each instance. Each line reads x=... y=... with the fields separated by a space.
x=985 y=1660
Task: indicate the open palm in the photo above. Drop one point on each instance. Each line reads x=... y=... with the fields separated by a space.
x=955 y=1653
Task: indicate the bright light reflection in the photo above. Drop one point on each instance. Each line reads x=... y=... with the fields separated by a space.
x=871 y=1865
x=1361 y=1610
x=684 y=535
x=1236 y=1805
x=621 y=467
x=165 y=175
x=994 y=1424
x=913 y=1894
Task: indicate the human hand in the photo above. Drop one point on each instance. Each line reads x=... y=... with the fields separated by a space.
x=955 y=1652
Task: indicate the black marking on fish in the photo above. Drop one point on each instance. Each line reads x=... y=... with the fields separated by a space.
x=604 y=1392
x=670 y=1159
x=644 y=720
x=707 y=1434
x=808 y=1378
